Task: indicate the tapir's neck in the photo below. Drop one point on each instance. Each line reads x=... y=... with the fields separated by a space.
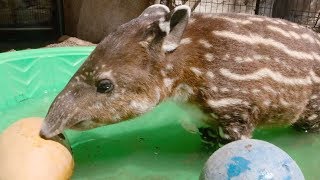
x=176 y=83
x=184 y=68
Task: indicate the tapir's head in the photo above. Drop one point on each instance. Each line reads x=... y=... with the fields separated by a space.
x=121 y=78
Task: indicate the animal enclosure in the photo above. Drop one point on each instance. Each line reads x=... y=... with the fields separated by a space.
x=30 y=16
x=304 y=12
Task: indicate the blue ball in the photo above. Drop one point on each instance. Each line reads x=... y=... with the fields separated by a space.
x=250 y=159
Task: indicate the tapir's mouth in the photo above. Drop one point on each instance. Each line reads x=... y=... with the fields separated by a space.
x=53 y=131
x=85 y=125
x=49 y=129
x=78 y=125
x=52 y=128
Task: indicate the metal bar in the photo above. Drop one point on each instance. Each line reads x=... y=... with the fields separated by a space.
x=196 y=4
x=317 y=19
x=256 y=11
x=60 y=17
x=26 y=29
x=193 y=4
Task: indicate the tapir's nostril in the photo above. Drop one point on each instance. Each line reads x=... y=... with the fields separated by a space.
x=62 y=136
x=42 y=135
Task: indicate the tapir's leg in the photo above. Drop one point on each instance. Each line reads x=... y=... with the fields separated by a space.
x=210 y=137
x=236 y=127
x=234 y=124
x=310 y=118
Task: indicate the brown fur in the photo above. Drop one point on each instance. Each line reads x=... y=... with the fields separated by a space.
x=144 y=74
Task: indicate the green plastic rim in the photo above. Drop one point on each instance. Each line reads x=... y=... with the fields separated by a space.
x=30 y=73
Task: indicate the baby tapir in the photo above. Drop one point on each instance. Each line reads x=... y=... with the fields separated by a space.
x=242 y=71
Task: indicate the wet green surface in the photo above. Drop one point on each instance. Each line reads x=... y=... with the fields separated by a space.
x=154 y=146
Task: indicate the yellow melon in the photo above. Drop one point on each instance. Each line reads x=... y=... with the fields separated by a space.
x=24 y=155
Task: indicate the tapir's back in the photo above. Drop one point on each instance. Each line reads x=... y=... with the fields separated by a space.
x=269 y=64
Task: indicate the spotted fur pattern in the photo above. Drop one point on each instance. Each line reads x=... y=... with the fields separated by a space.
x=257 y=71
x=243 y=71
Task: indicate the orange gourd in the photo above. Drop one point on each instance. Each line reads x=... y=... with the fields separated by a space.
x=24 y=155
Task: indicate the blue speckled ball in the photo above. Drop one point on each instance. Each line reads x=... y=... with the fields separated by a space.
x=251 y=159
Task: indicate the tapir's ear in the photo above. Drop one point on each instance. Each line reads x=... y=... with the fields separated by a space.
x=167 y=28
x=156 y=9
x=174 y=27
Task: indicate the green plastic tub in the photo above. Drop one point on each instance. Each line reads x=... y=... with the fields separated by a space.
x=154 y=146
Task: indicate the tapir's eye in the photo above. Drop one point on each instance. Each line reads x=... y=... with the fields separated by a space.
x=104 y=86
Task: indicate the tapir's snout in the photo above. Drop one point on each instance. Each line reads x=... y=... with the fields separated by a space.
x=53 y=124
x=51 y=127
x=60 y=115
x=74 y=108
